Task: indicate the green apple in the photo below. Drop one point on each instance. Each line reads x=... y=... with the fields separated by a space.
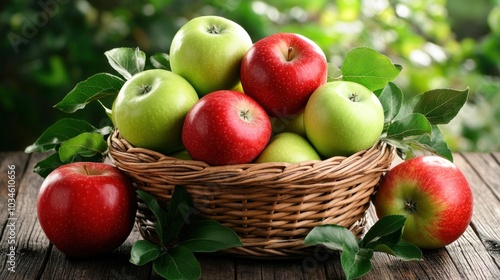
x=288 y=147
x=296 y=125
x=207 y=51
x=342 y=118
x=151 y=107
x=182 y=154
x=293 y=124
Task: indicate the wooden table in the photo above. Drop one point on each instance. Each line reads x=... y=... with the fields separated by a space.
x=476 y=255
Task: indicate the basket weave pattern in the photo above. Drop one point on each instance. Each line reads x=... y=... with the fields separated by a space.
x=271 y=206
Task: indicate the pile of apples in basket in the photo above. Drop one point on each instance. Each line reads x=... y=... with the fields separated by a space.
x=220 y=98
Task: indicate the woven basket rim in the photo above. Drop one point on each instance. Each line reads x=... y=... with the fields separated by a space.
x=185 y=172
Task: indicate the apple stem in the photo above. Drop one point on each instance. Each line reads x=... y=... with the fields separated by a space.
x=213 y=29
x=354 y=97
x=86 y=169
x=290 y=50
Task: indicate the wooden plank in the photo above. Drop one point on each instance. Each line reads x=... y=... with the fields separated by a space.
x=248 y=269
x=114 y=265
x=496 y=155
x=312 y=267
x=215 y=267
x=488 y=168
x=482 y=172
x=31 y=243
x=12 y=169
x=333 y=268
x=13 y=164
x=301 y=268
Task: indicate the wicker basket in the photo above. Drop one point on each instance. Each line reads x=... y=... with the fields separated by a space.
x=271 y=206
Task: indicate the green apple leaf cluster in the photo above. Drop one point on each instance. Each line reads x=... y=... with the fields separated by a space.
x=181 y=234
x=409 y=124
x=69 y=139
x=384 y=236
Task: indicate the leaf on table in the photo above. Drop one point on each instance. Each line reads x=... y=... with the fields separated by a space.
x=440 y=106
x=160 y=61
x=356 y=263
x=332 y=236
x=126 y=61
x=177 y=263
x=368 y=67
x=59 y=132
x=384 y=236
x=209 y=236
x=411 y=125
x=87 y=144
x=383 y=227
x=143 y=252
x=96 y=87
x=403 y=250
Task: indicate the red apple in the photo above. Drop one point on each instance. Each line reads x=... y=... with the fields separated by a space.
x=226 y=127
x=433 y=194
x=281 y=71
x=86 y=208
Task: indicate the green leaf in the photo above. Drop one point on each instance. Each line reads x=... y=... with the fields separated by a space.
x=179 y=196
x=391 y=99
x=356 y=264
x=440 y=106
x=210 y=236
x=407 y=107
x=159 y=213
x=332 y=236
x=176 y=219
x=403 y=250
x=86 y=145
x=385 y=236
x=59 y=132
x=435 y=143
x=44 y=167
x=403 y=148
x=384 y=227
x=143 y=252
x=96 y=87
x=368 y=67
x=160 y=61
x=411 y=125
x=334 y=73
x=108 y=111
x=177 y=263
x=126 y=61
x=180 y=210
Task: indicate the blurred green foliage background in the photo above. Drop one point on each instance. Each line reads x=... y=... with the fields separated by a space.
x=48 y=46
